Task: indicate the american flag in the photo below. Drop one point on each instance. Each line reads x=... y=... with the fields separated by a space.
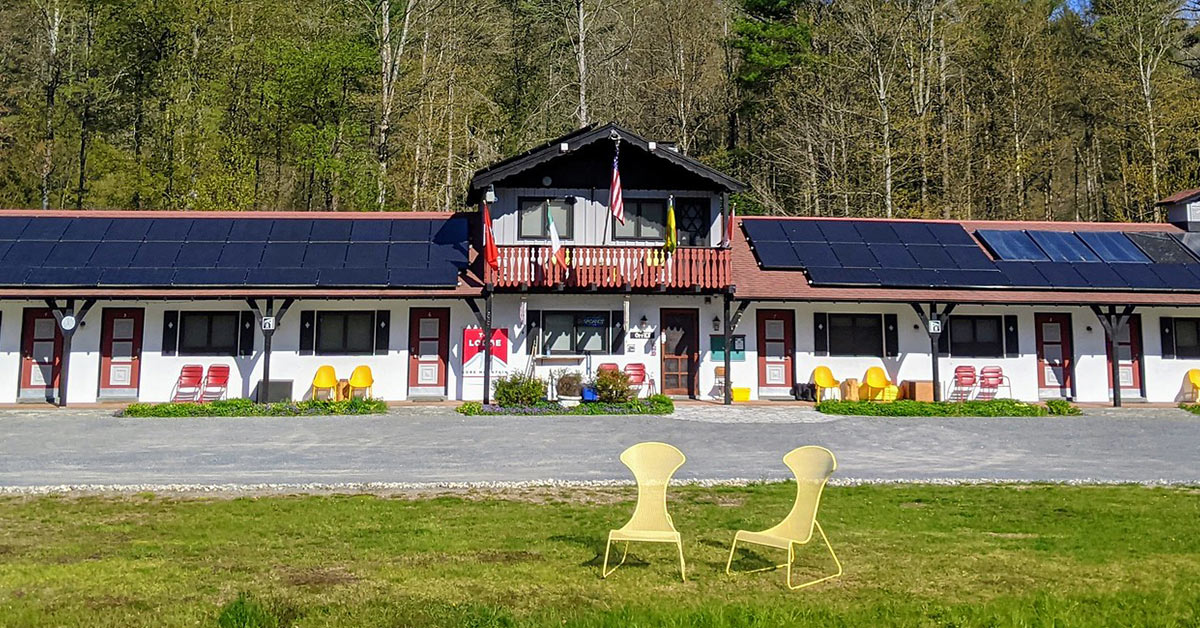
x=616 y=202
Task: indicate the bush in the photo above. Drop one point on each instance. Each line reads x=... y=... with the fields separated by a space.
x=612 y=387
x=520 y=390
x=656 y=404
x=246 y=407
x=569 y=384
x=1062 y=407
x=995 y=407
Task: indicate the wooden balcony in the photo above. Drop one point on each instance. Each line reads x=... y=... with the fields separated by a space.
x=613 y=268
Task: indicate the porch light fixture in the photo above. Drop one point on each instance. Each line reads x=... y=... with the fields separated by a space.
x=716 y=323
x=652 y=145
x=644 y=323
x=564 y=147
x=490 y=194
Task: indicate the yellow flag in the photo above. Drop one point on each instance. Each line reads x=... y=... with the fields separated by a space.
x=672 y=239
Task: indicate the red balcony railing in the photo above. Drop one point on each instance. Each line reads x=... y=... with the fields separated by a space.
x=612 y=267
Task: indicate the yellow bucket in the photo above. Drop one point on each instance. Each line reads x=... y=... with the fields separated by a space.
x=741 y=394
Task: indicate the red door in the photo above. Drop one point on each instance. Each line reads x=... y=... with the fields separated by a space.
x=1129 y=365
x=120 y=353
x=1056 y=356
x=681 y=351
x=41 y=355
x=776 y=345
x=428 y=351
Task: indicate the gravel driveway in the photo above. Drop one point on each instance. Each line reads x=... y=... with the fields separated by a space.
x=434 y=446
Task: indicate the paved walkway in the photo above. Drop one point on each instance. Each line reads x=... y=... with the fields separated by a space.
x=40 y=448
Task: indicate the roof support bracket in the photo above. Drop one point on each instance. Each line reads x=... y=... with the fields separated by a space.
x=268 y=331
x=737 y=315
x=68 y=322
x=479 y=318
x=934 y=323
x=1114 y=323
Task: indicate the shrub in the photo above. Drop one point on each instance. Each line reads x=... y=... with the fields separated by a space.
x=612 y=387
x=657 y=404
x=569 y=384
x=246 y=407
x=992 y=408
x=1062 y=407
x=520 y=390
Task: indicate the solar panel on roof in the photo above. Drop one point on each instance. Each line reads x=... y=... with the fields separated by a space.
x=448 y=231
x=209 y=277
x=1012 y=246
x=45 y=229
x=950 y=234
x=136 y=276
x=1113 y=246
x=199 y=254
x=411 y=230
x=60 y=276
x=251 y=230
x=802 y=231
x=366 y=255
x=931 y=256
x=815 y=254
x=26 y=253
x=893 y=256
x=241 y=255
x=969 y=257
x=973 y=278
x=283 y=254
x=370 y=231
x=210 y=230
x=908 y=277
x=330 y=230
x=440 y=276
x=765 y=231
x=1099 y=275
x=290 y=230
x=819 y=275
x=914 y=233
x=407 y=255
x=325 y=255
x=282 y=276
x=1177 y=276
x=1139 y=276
x=1063 y=246
x=65 y=254
x=1023 y=274
x=855 y=256
x=353 y=277
x=87 y=229
x=1061 y=275
x=876 y=232
x=155 y=255
x=127 y=229
x=13 y=276
x=12 y=226
x=1161 y=248
x=168 y=229
x=840 y=231
x=777 y=255
x=113 y=254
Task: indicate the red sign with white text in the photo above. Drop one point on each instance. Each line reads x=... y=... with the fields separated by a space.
x=472 y=355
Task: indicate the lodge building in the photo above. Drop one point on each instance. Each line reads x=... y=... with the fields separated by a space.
x=110 y=306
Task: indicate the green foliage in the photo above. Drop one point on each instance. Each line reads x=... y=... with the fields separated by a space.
x=246 y=612
x=655 y=404
x=1194 y=408
x=612 y=386
x=519 y=389
x=771 y=39
x=247 y=407
x=568 y=383
x=1062 y=407
x=906 y=407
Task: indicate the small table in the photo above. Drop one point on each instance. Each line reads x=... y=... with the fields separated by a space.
x=917 y=389
x=343 y=389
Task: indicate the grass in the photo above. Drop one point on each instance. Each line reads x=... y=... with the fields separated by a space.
x=908 y=407
x=247 y=407
x=914 y=556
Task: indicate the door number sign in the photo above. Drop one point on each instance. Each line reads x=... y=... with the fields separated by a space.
x=268 y=323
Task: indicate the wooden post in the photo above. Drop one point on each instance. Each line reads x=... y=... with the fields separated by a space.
x=940 y=318
x=487 y=347
x=728 y=299
x=1113 y=323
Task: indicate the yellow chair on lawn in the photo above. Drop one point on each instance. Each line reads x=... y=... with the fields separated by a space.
x=1193 y=377
x=877 y=387
x=652 y=464
x=812 y=467
x=823 y=378
x=325 y=379
x=361 y=379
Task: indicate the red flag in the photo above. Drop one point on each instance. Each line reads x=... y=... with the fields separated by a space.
x=491 y=254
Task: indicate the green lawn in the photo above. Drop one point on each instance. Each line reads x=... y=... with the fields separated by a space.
x=914 y=556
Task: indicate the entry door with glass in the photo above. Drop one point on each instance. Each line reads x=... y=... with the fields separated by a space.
x=1055 y=356
x=120 y=353
x=428 y=351
x=776 y=344
x=1129 y=363
x=41 y=355
x=681 y=351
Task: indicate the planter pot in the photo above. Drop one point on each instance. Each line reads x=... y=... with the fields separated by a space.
x=568 y=401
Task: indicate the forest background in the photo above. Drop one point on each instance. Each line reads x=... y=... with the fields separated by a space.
x=982 y=109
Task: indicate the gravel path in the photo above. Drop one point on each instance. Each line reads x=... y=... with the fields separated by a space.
x=416 y=447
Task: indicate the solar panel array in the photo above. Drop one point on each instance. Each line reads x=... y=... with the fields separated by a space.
x=934 y=254
x=232 y=252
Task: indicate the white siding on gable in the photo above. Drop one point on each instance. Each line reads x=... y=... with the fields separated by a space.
x=592 y=218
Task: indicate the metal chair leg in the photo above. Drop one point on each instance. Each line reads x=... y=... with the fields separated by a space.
x=792 y=556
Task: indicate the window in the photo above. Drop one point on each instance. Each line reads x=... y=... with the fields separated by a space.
x=575 y=333
x=856 y=335
x=976 y=337
x=1181 y=338
x=208 y=333
x=644 y=220
x=345 y=333
x=534 y=217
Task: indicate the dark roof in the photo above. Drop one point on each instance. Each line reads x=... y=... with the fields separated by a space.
x=544 y=154
x=1169 y=273
x=1182 y=196
x=232 y=251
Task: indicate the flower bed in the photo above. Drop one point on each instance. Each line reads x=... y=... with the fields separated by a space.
x=246 y=407
x=655 y=404
x=995 y=407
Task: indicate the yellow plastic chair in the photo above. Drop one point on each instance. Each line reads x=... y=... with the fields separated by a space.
x=1193 y=377
x=877 y=387
x=325 y=379
x=361 y=379
x=652 y=464
x=824 y=380
x=812 y=467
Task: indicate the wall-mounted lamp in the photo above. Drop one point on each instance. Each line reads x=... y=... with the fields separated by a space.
x=716 y=323
x=490 y=194
x=644 y=323
x=564 y=147
x=652 y=145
